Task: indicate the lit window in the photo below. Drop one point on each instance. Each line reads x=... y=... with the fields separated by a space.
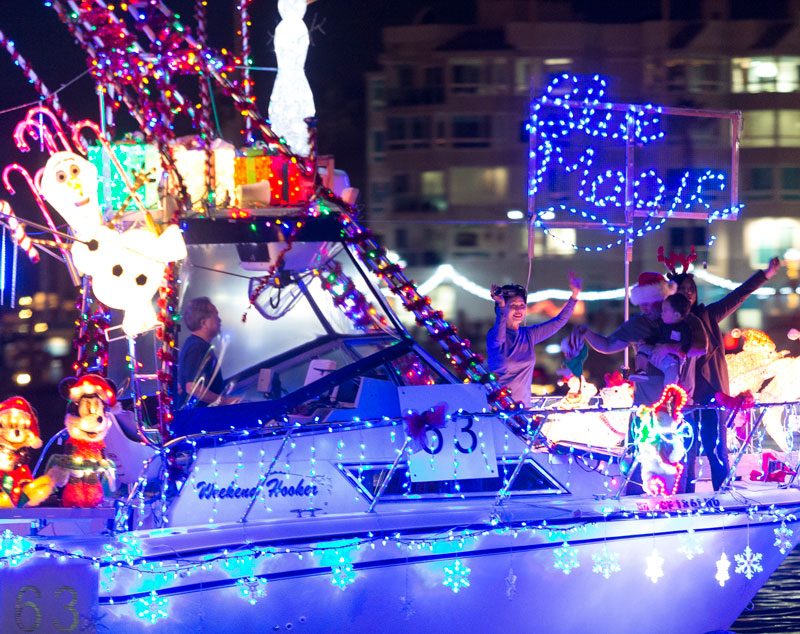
x=560 y=242
x=433 y=189
x=765 y=238
x=40 y=327
x=478 y=185
x=765 y=74
x=25 y=313
x=758 y=129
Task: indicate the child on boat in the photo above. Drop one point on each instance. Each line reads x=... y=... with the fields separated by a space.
x=673 y=330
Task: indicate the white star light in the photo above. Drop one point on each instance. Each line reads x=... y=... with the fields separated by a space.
x=691 y=544
x=566 y=558
x=654 y=568
x=606 y=562
x=748 y=563
x=723 y=564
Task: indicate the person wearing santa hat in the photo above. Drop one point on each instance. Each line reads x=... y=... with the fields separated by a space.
x=648 y=294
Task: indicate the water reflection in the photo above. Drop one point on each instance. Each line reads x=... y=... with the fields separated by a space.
x=776 y=607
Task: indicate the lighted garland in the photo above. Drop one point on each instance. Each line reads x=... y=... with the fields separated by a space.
x=91 y=343
x=347 y=297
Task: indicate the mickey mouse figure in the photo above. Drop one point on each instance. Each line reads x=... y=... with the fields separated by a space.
x=19 y=432
x=83 y=468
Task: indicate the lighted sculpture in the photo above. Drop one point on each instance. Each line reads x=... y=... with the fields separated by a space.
x=770 y=375
x=19 y=432
x=126 y=268
x=83 y=469
x=291 y=101
x=595 y=429
x=662 y=438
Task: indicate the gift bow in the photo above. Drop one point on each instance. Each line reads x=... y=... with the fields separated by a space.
x=418 y=423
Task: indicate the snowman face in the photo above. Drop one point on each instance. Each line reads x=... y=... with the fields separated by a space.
x=69 y=183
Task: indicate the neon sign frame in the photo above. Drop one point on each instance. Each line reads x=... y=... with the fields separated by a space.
x=579 y=109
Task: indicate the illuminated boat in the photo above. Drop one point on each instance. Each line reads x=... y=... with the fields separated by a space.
x=360 y=486
x=309 y=506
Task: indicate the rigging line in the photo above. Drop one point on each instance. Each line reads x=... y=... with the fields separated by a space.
x=208 y=268
x=44 y=229
x=38 y=101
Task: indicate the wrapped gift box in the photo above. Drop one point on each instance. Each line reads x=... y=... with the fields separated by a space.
x=287 y=184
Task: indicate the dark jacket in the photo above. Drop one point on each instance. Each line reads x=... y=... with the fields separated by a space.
x=711 y=369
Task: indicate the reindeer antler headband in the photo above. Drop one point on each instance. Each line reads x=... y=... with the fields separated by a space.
x=674 y=259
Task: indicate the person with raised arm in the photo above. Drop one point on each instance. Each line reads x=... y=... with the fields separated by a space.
x=510 y=345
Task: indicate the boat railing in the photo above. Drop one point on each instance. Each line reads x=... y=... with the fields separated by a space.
x=525 y=424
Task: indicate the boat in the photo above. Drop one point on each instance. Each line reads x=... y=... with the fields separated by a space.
x=360 y=485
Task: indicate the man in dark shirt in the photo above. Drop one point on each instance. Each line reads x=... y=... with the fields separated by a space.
x=199 y=380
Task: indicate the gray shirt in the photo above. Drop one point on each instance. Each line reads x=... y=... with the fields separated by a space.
x=511 y=352
x=638 y=328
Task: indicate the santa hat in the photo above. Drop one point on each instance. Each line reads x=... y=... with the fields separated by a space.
x=652 y=287
x=89 y=385
x=19 y=404
x=673 y=399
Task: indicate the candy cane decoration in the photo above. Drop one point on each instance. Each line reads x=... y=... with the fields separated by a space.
x=15 y=167
x=18 y=231
x=34 y=123
x=33 y=78
x=247 y=84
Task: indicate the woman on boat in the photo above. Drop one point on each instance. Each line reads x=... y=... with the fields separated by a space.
x=711 y=370
x=511 y=345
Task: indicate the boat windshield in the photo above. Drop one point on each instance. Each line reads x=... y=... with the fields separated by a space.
x=320 y=323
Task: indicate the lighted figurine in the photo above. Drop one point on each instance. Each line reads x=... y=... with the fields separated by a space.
x=126 y=268
x=83 y=469
x=19 y=432
x=662 y=437
x=291 y=101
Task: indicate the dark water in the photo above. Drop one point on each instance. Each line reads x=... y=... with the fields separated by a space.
x=776 y=607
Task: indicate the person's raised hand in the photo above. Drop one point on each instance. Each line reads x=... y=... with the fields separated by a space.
x=575 y=283
x=497 y=296
x=772 y=268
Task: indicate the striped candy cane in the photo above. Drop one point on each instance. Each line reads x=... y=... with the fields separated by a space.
x=18 y=231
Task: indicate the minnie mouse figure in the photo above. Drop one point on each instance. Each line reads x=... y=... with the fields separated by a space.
x=83 y=468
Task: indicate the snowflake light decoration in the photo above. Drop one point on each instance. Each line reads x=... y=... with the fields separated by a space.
x=655 y=563
x=783 y=538
x=511 y=584
x=566 y=558
x=748 y=563
x=605 y=562
x=343 y=573
x=723 y=565
x=456 y=576
x=407 y=607
x=691 y=544
x=252 y=588
x=152 y=608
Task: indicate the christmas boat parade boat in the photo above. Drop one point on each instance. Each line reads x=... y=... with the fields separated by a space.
x=358 y=484
x=362 y=486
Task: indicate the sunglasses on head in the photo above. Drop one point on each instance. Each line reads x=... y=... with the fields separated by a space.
x=514 y=290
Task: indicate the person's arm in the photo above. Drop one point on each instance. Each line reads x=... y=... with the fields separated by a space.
x=497 y=334
x=602 y=343
x=545 y=330
x=723 y=308
x=207 y=396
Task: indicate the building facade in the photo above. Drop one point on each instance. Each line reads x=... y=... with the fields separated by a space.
x=447 y=146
